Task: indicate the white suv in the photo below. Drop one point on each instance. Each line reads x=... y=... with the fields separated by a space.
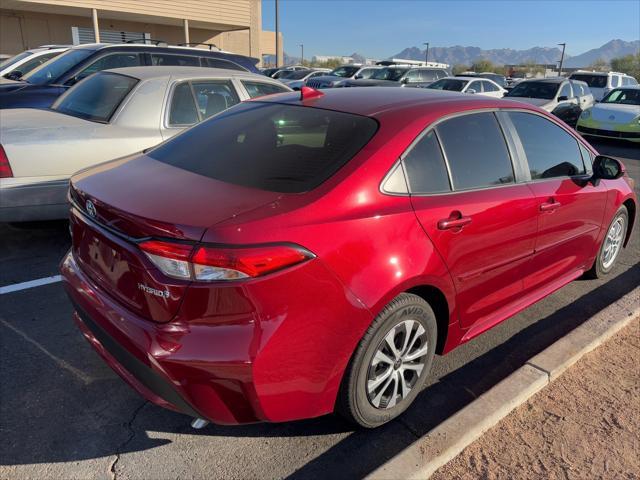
x=602 y=83
x=22 y=63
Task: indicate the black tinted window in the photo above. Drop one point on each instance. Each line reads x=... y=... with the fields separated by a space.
x=220 y=63
x=258 y=89
x=551 y=152
x=281 y=148
x=97 y=97
x=183 y=108
x=114 y=60
x=476 y=151
x=425 y=167
x=174 y=60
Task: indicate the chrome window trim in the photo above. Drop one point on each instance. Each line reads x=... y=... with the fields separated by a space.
x=516 y=156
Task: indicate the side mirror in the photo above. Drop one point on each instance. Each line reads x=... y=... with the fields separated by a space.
x=14 y=75
x=563 y=98
x=471 y=90
x=405 y=80
x=607 y=168
x=358 y=77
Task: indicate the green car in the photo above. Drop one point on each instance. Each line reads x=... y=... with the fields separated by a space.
x=617 y=116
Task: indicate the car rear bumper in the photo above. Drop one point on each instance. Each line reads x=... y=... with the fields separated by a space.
x=21 y=202
x=260 y=363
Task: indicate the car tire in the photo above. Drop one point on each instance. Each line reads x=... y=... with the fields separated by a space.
x=614 y=239
x=366 y=400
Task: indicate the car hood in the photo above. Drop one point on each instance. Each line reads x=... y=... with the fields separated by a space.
x=23 y=123
x=614 y=113
x=538 y=102
x=372 y=83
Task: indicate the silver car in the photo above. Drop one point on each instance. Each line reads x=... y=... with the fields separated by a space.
x=110 y=114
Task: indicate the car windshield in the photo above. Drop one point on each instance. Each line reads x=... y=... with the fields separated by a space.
x=623 y=96
x=389 y=73
x=344 y=72
x=543 y=90
x=295 y=75
x=452 y=84
x=97 y=97
x=594 y=81
x=269 y=146
x=15 y=59
x=50 y=72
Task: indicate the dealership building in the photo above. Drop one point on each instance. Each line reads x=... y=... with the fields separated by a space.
x=235 y=26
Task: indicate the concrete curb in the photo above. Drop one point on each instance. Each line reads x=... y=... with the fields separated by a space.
x=430 y=452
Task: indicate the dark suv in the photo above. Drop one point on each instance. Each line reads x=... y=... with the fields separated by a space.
x=40 y=87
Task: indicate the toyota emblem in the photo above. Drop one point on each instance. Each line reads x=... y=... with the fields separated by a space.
x=91 y=208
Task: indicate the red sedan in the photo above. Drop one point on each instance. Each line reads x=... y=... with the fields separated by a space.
x=309 y=253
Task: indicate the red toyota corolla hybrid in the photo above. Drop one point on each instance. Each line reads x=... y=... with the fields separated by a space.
x=299 y=255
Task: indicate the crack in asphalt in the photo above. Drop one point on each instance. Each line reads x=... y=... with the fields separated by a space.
x=120 y=448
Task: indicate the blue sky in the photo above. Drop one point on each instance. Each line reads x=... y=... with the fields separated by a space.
x=380 y=28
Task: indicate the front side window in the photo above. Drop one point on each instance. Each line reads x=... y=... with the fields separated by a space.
x=115 y=60
x=54 y=71
x=425 y=167
x=174 y=60
x=269 y=146
x=476 y=151
x=413 y=76
x=577 y=90
x=344 y=72
x=259 y=89
x=96 y=98
x=367 y=72
x=565 y=91
x=551 y=152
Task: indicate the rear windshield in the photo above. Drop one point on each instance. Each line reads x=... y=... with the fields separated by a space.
x=97 y=97
x=269 y=146
x=594 y=81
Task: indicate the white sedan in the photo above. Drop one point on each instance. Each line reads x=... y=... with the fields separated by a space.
x=110 y=114
x=481 y=86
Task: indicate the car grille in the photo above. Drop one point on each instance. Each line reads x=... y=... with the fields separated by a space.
x=608 y=133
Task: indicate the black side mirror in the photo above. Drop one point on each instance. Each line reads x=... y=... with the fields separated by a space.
x=607 y=168
x=14 y=75
x=405 y=80
x=358 y=77
x=563 y=98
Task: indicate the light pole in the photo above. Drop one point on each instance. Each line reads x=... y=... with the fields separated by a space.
x=302 y=54
x=426 y=55
x=562 y=58
x=277 y=37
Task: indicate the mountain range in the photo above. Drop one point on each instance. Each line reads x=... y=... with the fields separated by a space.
x=459 y=55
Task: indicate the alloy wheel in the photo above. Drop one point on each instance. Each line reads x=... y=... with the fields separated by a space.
x=613 y=242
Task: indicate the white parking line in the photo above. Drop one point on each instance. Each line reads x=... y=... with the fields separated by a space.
x=30 y=284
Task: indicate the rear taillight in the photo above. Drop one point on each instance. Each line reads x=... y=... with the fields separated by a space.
x=221 y=263
x=5 y=168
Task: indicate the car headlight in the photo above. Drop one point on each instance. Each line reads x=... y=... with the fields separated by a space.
x=586 y=114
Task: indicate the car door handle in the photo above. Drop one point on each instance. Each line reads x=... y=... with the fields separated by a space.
x=550 y=206
x=453 y=222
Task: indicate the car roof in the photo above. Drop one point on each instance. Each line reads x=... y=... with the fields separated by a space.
x=464 y=77
x=146 y=73
x=547 y=80
x=374 y=101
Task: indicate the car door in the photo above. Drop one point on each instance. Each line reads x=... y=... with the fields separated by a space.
x=481 y=221
x=570 y=207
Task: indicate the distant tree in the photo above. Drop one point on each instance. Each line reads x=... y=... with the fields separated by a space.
x=459 y=68
x=483 y=65
x=599 y=65
x=629 y=64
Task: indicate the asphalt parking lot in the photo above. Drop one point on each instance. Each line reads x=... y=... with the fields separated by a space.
x=65 y=414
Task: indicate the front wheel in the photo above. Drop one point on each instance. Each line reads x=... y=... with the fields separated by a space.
x=611 y=245
x=391 y=363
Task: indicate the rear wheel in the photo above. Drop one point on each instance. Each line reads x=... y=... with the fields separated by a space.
x=391 y=363
x=611 y=245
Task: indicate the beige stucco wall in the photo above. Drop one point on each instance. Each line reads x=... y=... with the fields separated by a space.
x=21 y=29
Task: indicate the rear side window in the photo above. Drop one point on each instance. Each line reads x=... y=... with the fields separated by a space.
x=174 y=60
x=551 y=152
x=97 y=97
x=275 y=147
x=259 y=89
x=425 y=167
x=489 y=87
x=476 y=151
x=194 y=101
x=220 y=63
